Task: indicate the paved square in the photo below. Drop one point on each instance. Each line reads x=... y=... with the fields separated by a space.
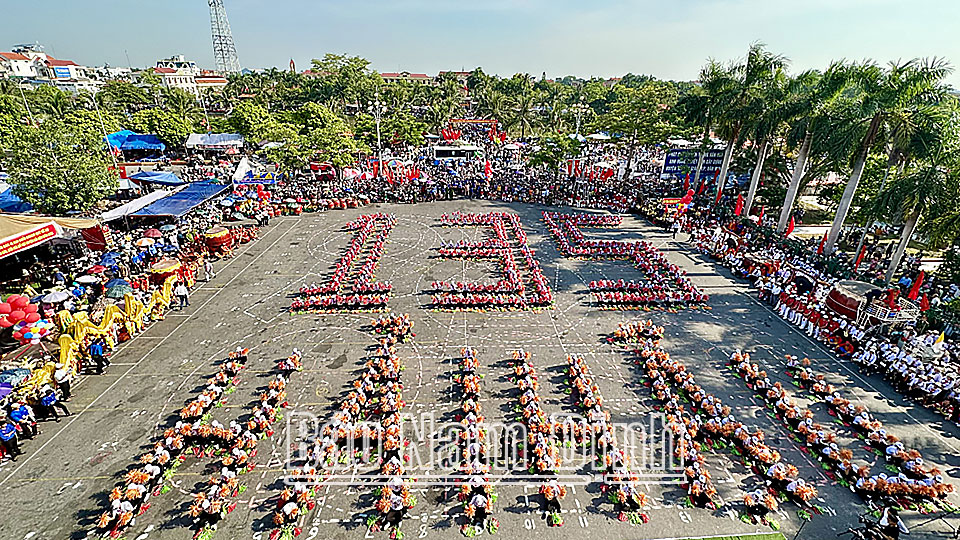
x=60 y=486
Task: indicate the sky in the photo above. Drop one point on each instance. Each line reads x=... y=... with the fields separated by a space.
x=669 y=39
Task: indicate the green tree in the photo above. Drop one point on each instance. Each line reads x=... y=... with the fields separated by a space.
x=59 y=168
x=553 y=152
x=883 y=95
x=169 y=128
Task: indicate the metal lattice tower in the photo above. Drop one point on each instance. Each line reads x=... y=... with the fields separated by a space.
x=224 y=51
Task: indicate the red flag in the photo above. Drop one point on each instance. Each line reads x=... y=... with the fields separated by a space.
x=822 y=242
x=860 y=255
x=703 y=186
x=789 y=228
x=915 y=289
x=924 y=302
x=760 y=218
x=686 y=183
x=739 y=209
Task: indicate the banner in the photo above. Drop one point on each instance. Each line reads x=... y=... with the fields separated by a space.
x=29 y=238
x=679 y=161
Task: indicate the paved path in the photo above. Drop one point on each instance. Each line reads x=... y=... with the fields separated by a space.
x=72 y=466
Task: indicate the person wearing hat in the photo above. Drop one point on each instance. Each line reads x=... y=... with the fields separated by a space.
x=51 y=402
x=62 y=377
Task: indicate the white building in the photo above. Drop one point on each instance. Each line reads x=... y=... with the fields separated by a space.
x=17 y=65
x=178 y=72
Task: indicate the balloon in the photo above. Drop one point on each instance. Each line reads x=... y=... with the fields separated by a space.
x=16 y=316
x=5 y=323
x=34 y=341
x=17 y=335
x=28 y=335
x=32 y=317
x=19 y=302
x=5 y=308
x=30 y=308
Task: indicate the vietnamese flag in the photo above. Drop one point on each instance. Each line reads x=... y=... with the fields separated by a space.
x=924 y=302
x=686 y=183
x=822 y=241
x=760 y=218
x=915 y=289
x=863 y=252
x=739 y=208
x=789 y=228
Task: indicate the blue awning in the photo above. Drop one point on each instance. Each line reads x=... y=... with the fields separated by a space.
x=162 y=178
x=117 y=138
x=183 y=201
x=10 y=203
x=142 y=142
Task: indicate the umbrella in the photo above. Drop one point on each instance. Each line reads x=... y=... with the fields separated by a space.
x=168 y=228
x=226 y=202
x=5 y=389
x=165 y=265
x=170 y=248
x=119 y=291
x=116 y=281
x=144 y=242
x=87 y=279
x=109 y=257
x=97 y=269
x=289 y=200
x=58 y=296
x=14 y=376
x=152 y=233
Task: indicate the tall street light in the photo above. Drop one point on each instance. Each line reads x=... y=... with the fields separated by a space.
x=377 y=111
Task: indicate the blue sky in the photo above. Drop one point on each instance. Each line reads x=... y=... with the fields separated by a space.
x=669 y=39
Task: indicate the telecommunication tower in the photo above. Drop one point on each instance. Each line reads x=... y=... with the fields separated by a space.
x=224 y=51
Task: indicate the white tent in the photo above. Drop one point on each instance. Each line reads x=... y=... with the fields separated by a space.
x=214 y=140
x=136 y=204
x=242 y=169
x=598 y=137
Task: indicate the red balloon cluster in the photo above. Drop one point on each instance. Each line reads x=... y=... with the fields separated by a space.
x=688 y=198
x=17 y=308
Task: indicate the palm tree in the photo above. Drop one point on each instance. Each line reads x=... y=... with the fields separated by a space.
x=183 y=105
x=908 y=198
x=523 y=112
x=884 y=95
x=491 y=104
x=932 y=184
x=739 y=90
x=702 y=106
x=769 y=118
x=808 y=107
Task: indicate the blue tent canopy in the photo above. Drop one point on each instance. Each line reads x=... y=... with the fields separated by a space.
x=183 y=201
x=117 y=138
x=10 y=203
x=142 y=142
x=162 y=178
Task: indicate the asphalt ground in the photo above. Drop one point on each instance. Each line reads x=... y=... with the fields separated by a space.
x=60 y=486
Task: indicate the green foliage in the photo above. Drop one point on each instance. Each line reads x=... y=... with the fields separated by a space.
x=123 y=96
x=59 y=167
x=553 y=152
x=169 y=128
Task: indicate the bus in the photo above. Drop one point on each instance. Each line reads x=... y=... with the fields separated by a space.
x=454 y=152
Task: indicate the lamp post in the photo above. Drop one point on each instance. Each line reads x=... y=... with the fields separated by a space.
x=578 y=109
x=377 y=111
